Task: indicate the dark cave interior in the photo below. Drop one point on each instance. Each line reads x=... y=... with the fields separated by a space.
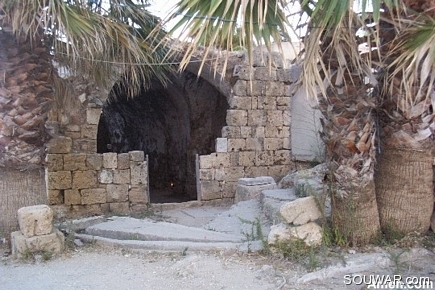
x=171 y=125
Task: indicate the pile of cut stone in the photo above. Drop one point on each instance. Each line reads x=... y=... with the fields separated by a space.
x=36 y=232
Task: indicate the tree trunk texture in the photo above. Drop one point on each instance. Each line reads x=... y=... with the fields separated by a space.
x=26 y=94
x=404 y=189
x=19 y=189
x=349 y=135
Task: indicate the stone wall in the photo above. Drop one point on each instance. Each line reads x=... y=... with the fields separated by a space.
x=90 y=183
x=256 y=140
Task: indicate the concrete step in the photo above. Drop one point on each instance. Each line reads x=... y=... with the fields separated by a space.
x=271 y=201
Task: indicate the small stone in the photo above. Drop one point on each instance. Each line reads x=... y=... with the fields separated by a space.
x=35 y=220
x=78 y=243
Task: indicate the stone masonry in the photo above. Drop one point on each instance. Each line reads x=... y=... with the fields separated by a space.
x=81 y=184
x=256 y=140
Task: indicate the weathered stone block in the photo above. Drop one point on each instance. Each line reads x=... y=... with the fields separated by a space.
x=251 y=188
x=246 y=158
x=300 y=211
x=283 y=101
x=21 y=245
x=94 y=161
x=237 y=117
x=229 y=189
x=138 y=194
x=119 y=207
x=259 y=132
x=231 y=132
x=247 y=131
x=266 y=103
x=35 y=220
x=138 y=173
x=121 y=176
x=84 y=179
x=274 y=118
x=239 y=88
x=219 y=174
x=74 y=161
x=277 y=132
x=221 y=144
x=59 y=145
x=206 y=174
x=254 y=171
x=110 y=160
x=273 y=143
x=72 y=196
x=59 y=180
x=117 y=192
x=221 y=160
x=137 y=156
x=282 y=157
x=243 y=72
x=89 y=132
x=138 y=207
x=254 y=144
x=54 y=162
x=93 y=115
x=278 y=171
x=123 y=161
x=105 y=176
x=240 y=103
x=254 y=102
x=234 y=173
x=256 y=118
x=274 y=89
x=264 y=158
x=256 y=88
x=55 y=196
x=210 y=190
x=93 y=195
x=236 y=145
x=206 y=161
x=310 y=233
x=265 y=74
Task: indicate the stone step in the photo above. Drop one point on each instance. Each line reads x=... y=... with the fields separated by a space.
x=271 y=201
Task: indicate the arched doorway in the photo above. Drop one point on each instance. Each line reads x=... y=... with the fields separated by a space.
x=171 y=125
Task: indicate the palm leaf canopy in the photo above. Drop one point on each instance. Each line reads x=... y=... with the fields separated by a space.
x=100 y=43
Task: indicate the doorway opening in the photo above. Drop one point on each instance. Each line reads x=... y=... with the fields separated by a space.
x=171 y=125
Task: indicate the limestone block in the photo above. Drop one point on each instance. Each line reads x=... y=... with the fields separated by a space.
x=231 y=132
x=85 y=145
x=310 y=233
x=259 y=132
x=117 y=192
x=93 y=115
x=84 y=179
x=266 y=103
x=256 y=118
x=138 y=207
x=73 y=135
x=256 y=88
x=121 y=176
x=286 y=118
x=136 y=156
x=239 y=88
x=89 y=132
x=138 y=172
x=254 y=102
x=206 y=174
x=265 y=74
x=301 y=211
x=72 y=196
x=221 y=144
x=251 y=188
x=59 y=145
x=273 y=143
x=274 y=89
x=236 y=145
x=94 y=161
x=21 y=245
x=254 y=171
x=247 y=131
x=277 y=132
x=283 y=101
x=254 y=144
x=240 y=103
x=274 y=118
x=206 y=161
x=221 y=160
x=93 y=196
x=278 y=171
x=54 y=162
x=229 y=189
x=234 y=173
x=283 y=75
x=55 y=196
x=123 y=161
x=73 y=128
x=243 y=72
x=210 y=189
x=105 y=176
x=246 y=158
x=282 y=157
x=35 y=220
x=119 y=207
x=110 y=160
x=138 y=194
x=59 y=180
x=74 y=161
x=237 y=117
x=219 y=174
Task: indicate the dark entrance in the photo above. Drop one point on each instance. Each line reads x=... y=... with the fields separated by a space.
x=171 y=124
